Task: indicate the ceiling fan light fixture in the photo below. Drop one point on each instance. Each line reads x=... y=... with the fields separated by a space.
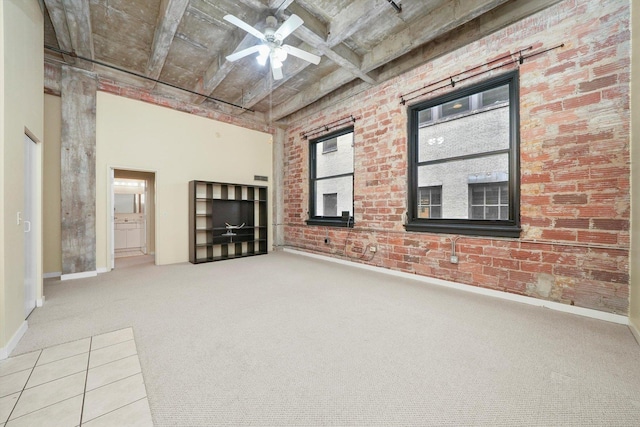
x=262 y=60
x=263 y=55
x=276 y=63
x=272 y=47
x=280 y=54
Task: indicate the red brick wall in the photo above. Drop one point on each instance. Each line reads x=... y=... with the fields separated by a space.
x=574 y=129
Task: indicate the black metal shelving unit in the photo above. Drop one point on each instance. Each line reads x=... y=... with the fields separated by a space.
x=213 y=205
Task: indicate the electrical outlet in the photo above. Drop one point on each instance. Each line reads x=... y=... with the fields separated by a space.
x=372 y=249
x=454 y=259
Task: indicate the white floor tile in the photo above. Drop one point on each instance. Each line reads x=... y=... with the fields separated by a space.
x=6 y=406
x=112 y=353
x=113 y=396
x=49 y=393
x=55 y=370
x=62 y=351
x=111 y=372
x=57 y=377
x=62 y=414
x=111 y=338
x=136 y=414
x=12 y=383
x=18 y=363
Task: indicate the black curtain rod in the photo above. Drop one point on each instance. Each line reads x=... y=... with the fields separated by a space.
x=452 y=83
x=450 y=78
x=142 y=76
x=328 y=126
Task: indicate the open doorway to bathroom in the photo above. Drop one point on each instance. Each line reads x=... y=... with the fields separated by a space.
x=133 y=224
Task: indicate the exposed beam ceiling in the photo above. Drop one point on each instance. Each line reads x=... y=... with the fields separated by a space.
x=72 y=23
x=185 y=43
x=169 y=17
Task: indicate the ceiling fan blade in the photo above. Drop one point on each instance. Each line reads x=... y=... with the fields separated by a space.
x=244 y=52
x=302 y=54
x=288 y=26
x=241 y=24
x=277 y=72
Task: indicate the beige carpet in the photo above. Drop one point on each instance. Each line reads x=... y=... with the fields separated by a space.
x=284 y=339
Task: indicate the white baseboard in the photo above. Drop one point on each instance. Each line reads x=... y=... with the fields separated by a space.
x=79 y=275
x=103 y=270
x=52 y=275
x=13 y=342
x=587 y=312
x=40 y=302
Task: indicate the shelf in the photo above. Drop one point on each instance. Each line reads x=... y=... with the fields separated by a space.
x=211 y=206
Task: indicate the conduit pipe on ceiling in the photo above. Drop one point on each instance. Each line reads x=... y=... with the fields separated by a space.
x=142 y=76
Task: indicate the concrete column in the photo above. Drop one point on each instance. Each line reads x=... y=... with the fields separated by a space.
x=78 y=173
x=278 y=188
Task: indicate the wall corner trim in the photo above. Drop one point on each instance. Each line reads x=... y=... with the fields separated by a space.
x=79 y=275
x=13 y=342
x=40 y=302
x=635 y=331
x=103 y=270
x=586 y=312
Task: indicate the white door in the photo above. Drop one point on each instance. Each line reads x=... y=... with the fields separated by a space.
x=29 y=223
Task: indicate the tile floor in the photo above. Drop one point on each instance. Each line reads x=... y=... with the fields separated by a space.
x=92 y=382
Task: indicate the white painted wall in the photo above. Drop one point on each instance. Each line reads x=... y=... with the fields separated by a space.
x=21 y=111
x=178 y=147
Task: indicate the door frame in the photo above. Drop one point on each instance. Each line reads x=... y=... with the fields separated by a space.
x=111 y=215
x=36 y=220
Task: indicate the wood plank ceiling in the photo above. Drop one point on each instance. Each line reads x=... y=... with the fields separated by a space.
x=185 y=42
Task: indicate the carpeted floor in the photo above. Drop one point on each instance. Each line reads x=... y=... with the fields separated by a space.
x=284 y=339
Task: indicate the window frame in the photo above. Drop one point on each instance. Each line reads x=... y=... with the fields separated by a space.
x=430 y=205
x=475 y=227
x=486 y=185
x=332 y=221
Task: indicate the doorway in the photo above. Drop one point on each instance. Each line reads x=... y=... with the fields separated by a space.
x=30 y=224
x=133 y=216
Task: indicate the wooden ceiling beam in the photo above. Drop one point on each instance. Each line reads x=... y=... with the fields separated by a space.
x=220 y=68
x=169 y=16
x=492 y=20
x=72 y=24
x=356 y=16
x=314 y=33
x=452 y=13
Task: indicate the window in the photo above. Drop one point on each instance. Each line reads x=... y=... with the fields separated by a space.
x=489 y=201
x=464 y=161
x=430 y=202
x=329 y=145
x=331 y=179
x=330 y=204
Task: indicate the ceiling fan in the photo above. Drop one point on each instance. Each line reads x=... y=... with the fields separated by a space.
x=272 y=47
